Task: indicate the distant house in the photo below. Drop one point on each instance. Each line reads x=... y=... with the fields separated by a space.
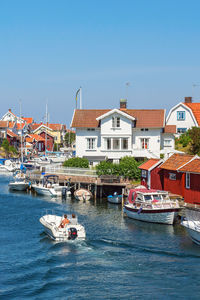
x=151 y=174
x=56 y=130
x=12 y=138
x=34 y=142
x=114 y=133
x=184 y=115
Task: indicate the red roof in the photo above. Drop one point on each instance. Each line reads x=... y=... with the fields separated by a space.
x=36 y=137
x=170 y=129
x=54 y=127
x=11 y=124
x=195 y=107
x=3 y=124
x=192 y=167
x=149 y=164
x=12 y=134
x=176 y=161
x=145 y=118
x=28 y=120
x=20 y=126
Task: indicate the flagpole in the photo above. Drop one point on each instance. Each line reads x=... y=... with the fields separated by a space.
x=80 y=97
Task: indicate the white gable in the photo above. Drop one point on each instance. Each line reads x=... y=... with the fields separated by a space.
x=113 y=111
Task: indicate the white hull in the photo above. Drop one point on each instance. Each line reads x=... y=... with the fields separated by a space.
x=193 y=229
x=51 y=226
x=155 y=217
x=41 y=190
x=18 y=186
x=114 y=199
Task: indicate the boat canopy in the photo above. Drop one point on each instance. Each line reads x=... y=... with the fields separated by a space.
x=134 y=192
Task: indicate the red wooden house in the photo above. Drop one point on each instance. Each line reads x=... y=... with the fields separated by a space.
x=151 y=176
x=49 y=140
x=12 y=138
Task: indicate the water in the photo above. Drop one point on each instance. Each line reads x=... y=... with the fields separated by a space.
x=121 y=258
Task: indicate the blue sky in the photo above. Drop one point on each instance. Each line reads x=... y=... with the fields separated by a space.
x=50 y=48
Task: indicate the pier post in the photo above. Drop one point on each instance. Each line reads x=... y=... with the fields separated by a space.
x=95 y=191
x=101 y=191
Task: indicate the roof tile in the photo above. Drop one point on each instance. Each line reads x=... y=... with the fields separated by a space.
x=149 y=164
x=192 y=167
x=175 y=161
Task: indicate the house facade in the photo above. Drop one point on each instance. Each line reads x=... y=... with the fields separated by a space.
x=113 y=134
x=184 y=115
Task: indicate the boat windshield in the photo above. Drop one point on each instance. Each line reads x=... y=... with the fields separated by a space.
x=157 y=197
x=147 y=197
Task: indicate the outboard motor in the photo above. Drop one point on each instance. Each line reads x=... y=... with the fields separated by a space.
x=64 y=192
x=72 y=233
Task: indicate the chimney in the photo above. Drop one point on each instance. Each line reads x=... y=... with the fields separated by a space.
x=188 y=99
x=9 y=109
x=123 y=103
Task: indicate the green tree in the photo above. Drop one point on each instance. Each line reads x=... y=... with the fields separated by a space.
x=194 y=134
x=5 y=145
x=69 y=138
x=13 y=149
x=76 y=162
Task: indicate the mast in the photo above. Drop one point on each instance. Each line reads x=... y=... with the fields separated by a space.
x=20 y=104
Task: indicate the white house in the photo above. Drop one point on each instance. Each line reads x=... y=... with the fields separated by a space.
x=184 y=115
x=113 y=134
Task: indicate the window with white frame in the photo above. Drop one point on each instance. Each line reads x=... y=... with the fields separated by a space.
x=108 y=143
x=144 y=173
x=115 y=122
x=116 y=144
x=180 y=115
x=167 y=143
x=124 y=143
x=181 y=130
x=172 y=176
x=91 y=143
x=144 y=143
x=187 y=180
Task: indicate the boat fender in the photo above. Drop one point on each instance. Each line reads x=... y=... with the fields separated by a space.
x=140 y=210
x=72 y=233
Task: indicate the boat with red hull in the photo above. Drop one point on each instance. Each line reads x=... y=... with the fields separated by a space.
x=151 y=206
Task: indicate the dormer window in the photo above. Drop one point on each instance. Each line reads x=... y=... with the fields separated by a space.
x=115 y=122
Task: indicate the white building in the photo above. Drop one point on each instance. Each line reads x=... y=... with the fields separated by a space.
x=113 y=134
x=184 y=115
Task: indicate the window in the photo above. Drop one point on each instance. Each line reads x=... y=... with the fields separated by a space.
x=144 y=129
x=144 y=173
x=167 y=143
x=115 y=122
x=172 y=176
x=180 y=115
x=145 y=143
x=91 y=144
x=124 y=143
x=181 y=130
x=116 y=144
x=187 y=180
x=90 y=129
x=108 y=144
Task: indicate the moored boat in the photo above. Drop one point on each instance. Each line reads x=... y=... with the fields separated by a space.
x=48 y=187
x=71 y=231
x=82 y=194
x=192 y=222
x=115 y=198
x=151 y=206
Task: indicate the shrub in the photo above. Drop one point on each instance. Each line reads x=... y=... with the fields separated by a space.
x=76 y=162
x=5 y=145
x=13 y=149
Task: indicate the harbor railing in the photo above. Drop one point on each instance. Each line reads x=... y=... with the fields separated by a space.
x=60 y=170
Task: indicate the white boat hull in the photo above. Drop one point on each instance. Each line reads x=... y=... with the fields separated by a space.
x=41 y=190
x=18 y=186
x=193 y=231
x=159 y=216
x=115 y=199
x=51 y=227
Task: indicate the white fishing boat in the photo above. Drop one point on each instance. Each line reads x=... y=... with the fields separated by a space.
x=19 y=182
x=82 y=194
x=71 y=231
x=151 y=206
x=115 y=198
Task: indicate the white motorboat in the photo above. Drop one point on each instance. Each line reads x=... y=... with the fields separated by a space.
x=19 y=182
x=192 y=222
x=151 y=206
x=82 y=194
x=9 y=167
x=193 y=229
x=71 y=231
x=49 y=186
x=115 y=198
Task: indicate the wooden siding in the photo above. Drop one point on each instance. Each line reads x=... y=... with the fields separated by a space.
x=192 y=195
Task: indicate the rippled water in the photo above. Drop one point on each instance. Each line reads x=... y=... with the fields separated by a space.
x=121 y=258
